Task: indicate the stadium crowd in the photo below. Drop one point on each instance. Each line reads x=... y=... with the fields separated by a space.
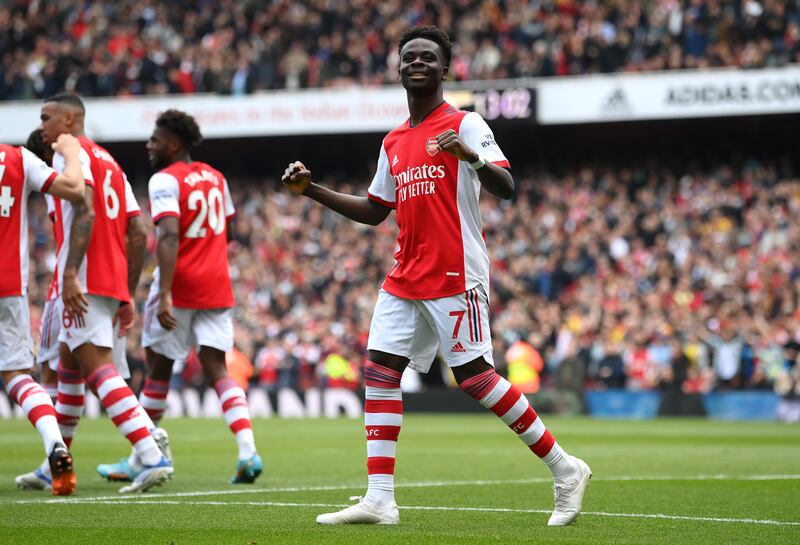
x=135 y=47
x=641 y=278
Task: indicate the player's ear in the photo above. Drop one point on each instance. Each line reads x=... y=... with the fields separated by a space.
x=445 y=72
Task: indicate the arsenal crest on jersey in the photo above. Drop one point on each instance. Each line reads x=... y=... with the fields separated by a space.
x=432 y=146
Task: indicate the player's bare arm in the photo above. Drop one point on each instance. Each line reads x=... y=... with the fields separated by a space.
x=495 y=179
x=167 y=256
x=361 y=209
x=69 y=184
x=75 y=302
x=137 y=242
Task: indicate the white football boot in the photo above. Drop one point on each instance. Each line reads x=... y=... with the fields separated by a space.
x=568 y=493
x=364 y=512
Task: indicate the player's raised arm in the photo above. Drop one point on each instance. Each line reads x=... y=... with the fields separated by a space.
x=69 y=184
x=361 y=209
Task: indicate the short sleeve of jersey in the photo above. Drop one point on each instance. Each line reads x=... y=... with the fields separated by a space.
x=86 y=165
x=164 y=196
x=131 y=206
x=38 y=176
x=477 y=135
x=230 y=211
x=382 y=188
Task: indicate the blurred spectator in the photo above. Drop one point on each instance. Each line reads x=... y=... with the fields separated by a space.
x=138 y=47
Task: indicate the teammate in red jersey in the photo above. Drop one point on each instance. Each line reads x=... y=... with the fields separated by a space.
x=70 y=408
x=20 y=173
x=191 y=295
x=97 y=277
x=430 y=171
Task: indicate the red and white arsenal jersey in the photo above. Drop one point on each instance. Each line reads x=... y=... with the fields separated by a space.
x=104 y=271
x=441 y=247
x=20 y=173
x=197 y=194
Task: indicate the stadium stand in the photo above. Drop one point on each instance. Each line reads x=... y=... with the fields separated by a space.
x=144 y=47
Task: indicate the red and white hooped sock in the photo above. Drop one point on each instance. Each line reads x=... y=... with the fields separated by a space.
x=237 y=415
x=69 y=404
x=37 y=406
x=154 y=399
x=506 y=401
x=383 y=418
x=125 y=411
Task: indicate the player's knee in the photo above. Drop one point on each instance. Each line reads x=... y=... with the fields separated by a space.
x=471 y=369
x=392 y=361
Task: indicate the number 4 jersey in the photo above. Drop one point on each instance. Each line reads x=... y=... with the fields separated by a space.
x=197 y=194
x=20 y=173
x=104 y=271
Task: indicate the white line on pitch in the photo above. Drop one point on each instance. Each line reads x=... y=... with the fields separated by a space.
x=426 y=484
x=660 y=516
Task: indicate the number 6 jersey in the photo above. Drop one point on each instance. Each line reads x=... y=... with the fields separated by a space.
x=104 y=271
x=197 y=194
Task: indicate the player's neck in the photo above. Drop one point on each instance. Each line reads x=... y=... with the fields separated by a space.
x=420 y=106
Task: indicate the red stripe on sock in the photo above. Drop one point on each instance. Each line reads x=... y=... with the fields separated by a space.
x=137 y=435
x=382 y=433
x=380 y=465
x=116 y=395
x=101 y=374
x=66 y=399
x=66 y=420
x=30 y=391
x=235 y=401
x=15 y=390
x=383 y=406
x=239 y=425
x=39 y=411
x=543 y=446
x=521 y=424
x=507 y=401
x=124 y=417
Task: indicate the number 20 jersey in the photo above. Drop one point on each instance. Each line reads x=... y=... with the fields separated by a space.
x=197 y=194
x=104 y=271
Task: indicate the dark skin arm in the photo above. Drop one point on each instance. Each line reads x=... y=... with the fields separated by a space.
x=137 y=241
x=361 y=209
x=495 y=179
x=167 y=256
x=75 y=302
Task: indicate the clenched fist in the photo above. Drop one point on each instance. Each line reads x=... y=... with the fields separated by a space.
x=296 y=177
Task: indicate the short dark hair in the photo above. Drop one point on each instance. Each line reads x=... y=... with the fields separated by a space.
x=181 y=125
x=432 y=33
x=35 y=144
x=66 y=98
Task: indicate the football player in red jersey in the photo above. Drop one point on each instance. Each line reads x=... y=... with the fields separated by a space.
x=430 y=171
x=99 y=263
x=190 y=301
x=20 y=173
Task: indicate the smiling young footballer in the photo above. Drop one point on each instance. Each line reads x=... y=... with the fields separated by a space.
x=430 y=171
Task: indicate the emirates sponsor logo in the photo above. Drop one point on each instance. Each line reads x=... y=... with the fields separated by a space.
x=432 y=146
x=416 y=181
x=458 y=347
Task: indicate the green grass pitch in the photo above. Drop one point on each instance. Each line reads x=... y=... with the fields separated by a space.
x=461 y=479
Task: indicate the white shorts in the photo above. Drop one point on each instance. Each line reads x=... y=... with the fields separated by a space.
x=212 y=327
x=16 y=341
x=415 y=329
x=96 y=327
x=50 y=327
